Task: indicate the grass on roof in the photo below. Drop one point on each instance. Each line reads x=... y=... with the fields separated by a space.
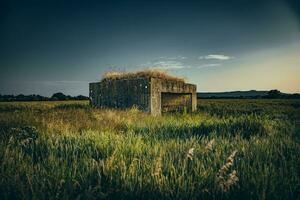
x=112 y=75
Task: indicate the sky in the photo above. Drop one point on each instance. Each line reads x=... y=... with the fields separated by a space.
x=49 y=46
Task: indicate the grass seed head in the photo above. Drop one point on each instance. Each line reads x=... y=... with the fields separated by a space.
x=190 y=153
x=226 y=179
x=209 y=145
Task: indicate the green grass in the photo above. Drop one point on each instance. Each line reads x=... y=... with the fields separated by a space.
x=68 y=150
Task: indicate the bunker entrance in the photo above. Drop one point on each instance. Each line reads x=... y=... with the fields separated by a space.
x=176 y=102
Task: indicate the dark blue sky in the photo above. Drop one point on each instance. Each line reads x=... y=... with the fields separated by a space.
x=50 y=46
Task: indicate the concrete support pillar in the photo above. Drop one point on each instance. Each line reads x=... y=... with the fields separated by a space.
x=194 y=101
x=155 y=102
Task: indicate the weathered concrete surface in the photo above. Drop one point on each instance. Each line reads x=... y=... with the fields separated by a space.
x=175 y=102
x=152 y=95
x=161 y=86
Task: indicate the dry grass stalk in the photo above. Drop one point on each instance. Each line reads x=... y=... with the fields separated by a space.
x=154 y=73
x=190 y=154
x=226 y=180
x=158 y=170
x=209 y=145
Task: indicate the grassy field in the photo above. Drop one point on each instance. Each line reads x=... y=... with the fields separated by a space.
x=228 y=149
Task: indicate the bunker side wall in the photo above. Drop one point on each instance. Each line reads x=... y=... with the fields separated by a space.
x=176 y=102
x=122 y=93
x=159 y=86
x=93 y=91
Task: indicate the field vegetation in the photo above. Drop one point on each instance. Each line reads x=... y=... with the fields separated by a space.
x=228 y=149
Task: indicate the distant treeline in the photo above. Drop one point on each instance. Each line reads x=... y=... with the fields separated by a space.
x=33 y=97
x=272 y=94
x=252 y=94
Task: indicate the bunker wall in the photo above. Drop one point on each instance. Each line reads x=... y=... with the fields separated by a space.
x=161 y=86
x=175 y=102
x=148 y=94
x=122 y=93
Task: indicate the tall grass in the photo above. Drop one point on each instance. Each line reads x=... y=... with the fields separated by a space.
x=226 y=150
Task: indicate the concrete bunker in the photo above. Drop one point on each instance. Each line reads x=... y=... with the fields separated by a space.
x=151 y=91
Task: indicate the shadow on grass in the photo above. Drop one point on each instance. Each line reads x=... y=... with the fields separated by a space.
x=245 y=127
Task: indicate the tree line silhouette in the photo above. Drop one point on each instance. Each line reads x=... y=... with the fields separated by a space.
x=59 y=96
x=272 y=94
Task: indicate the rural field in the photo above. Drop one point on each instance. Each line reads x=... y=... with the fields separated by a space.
x=228 y=149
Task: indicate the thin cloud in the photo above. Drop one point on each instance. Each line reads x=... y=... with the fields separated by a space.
x=165 y=65
x=173 y=58
x=168 y=65
x=215 y=57
x=209 y=65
